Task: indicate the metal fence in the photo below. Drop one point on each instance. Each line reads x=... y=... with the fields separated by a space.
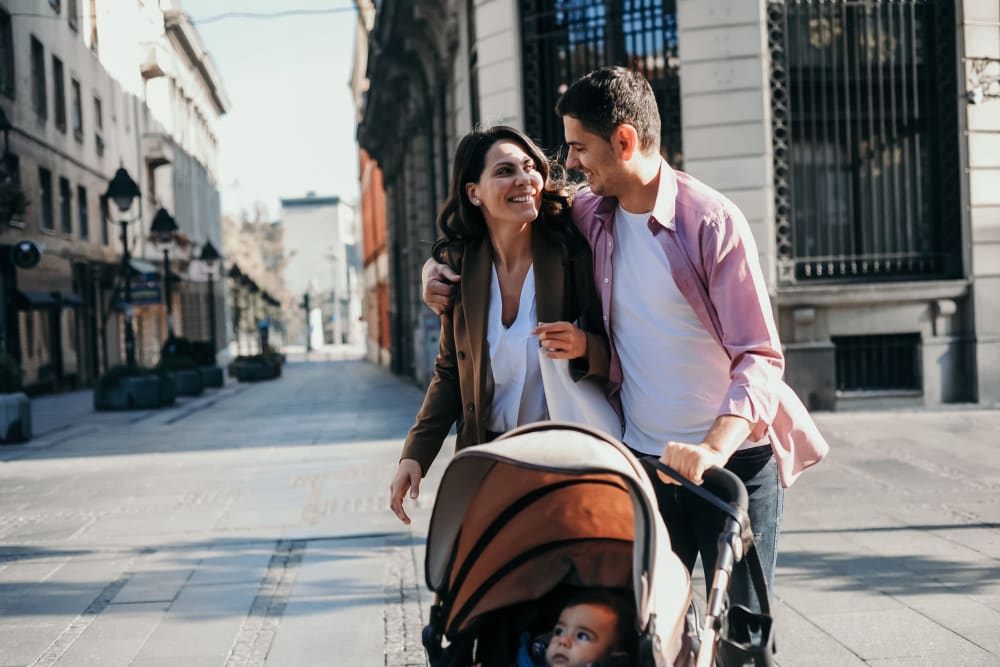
x=878 y=363
x=564 y=39
x=864 y=112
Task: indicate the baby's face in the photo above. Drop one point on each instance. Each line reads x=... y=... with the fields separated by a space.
x=585 y=633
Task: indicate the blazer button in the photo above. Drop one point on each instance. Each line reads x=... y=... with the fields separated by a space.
x=471 y=407
x=461 y=355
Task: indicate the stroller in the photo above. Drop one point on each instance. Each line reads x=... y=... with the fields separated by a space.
x=520 y=524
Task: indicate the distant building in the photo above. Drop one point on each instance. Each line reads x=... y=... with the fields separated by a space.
x=88 y=91
x=857 y=136
x=321 y=260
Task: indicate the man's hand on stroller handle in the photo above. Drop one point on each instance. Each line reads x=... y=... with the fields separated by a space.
x=407 y=478
x=724 y=437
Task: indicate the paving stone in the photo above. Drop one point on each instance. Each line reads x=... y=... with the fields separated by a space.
x=895 y=633
x=115 y=637
x=336 y=608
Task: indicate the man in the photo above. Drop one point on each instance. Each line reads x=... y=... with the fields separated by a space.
x=695 y=358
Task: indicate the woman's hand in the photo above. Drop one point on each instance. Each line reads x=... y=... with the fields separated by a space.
x=561 y=340
x=407 y=478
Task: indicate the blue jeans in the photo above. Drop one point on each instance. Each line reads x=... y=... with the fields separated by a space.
x=694 y=525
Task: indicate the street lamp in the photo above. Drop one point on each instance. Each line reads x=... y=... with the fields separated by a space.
x=122 y=190
x=210 y=256
x=163 y=230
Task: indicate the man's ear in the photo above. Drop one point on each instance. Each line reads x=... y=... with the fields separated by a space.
x=625 y=141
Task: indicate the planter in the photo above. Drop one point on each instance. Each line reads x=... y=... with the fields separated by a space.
x=254 y=370
x=212 y=376
x=136 y=392
x=15 y=418
x=187 y=383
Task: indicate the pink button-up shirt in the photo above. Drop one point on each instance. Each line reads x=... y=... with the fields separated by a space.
x=713 y=259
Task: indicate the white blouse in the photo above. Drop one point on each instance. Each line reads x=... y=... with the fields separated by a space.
x=518 y=395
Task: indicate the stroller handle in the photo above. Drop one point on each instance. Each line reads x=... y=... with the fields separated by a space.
x=727 y=492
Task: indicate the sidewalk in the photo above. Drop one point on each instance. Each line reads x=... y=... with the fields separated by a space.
x=249 y=526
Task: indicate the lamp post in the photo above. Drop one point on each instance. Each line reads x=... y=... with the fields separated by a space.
x=210 y=256
x=163 y=230
x=235 y=274
x=122 y=190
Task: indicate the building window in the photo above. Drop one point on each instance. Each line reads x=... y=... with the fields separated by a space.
x=59 y=94
x=45 y=195
x=105 y=214
x=99 y=126
x=72 y=10
x=77 y=110
x=6 y=55
x=864 y=127
x=39 y=100
x=564 y=39
x=65 y=206
x=93 y=26
x=56 y=5
x=81 y=212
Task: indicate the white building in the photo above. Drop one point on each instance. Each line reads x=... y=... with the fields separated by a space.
x=87 y=88
x=322 y=260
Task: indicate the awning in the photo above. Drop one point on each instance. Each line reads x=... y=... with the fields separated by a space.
x=28 y=300
x=146 y=269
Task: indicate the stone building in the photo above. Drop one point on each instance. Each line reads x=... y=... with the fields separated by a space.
x=88 y=88
x=856 y=136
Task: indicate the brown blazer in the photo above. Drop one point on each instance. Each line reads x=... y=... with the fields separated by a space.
x=462 y=388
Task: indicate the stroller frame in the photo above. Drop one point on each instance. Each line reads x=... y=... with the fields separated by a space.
x=659 y=583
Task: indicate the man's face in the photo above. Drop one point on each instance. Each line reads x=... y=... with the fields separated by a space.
x=584 y=634
x=594 y=156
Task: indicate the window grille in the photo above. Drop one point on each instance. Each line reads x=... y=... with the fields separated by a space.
x=878 y=363
x=564 y=39
x=864 y=111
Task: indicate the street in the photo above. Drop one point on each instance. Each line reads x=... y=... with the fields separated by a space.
x=249 y=526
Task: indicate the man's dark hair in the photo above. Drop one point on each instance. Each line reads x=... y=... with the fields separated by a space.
x=612 y=96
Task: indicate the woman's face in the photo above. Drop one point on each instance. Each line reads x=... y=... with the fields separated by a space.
x=509 y=191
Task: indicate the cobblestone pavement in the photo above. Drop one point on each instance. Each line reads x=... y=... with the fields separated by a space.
x=248 y=527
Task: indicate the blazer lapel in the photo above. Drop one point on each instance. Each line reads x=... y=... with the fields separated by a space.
x=475 y=290
x=550 y=278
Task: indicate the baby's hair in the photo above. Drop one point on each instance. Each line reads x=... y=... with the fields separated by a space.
x=623 y=607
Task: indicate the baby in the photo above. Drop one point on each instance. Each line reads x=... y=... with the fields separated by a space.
x=593 y=626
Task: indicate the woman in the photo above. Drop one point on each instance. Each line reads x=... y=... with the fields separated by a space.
x=507 y=229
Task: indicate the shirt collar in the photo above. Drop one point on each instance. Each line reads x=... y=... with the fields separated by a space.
x=663 y=208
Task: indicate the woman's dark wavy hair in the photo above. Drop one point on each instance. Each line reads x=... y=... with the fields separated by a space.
x=460 y=222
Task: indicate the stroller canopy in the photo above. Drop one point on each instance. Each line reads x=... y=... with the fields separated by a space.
x=547 y=504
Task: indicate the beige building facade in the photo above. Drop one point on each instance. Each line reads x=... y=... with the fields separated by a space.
x=857 y=137
x=89 y=87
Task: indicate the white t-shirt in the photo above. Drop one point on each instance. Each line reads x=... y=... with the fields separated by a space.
x=518 y=395
x=674 y=374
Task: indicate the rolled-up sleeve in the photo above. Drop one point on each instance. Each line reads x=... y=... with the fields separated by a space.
x=745 y=320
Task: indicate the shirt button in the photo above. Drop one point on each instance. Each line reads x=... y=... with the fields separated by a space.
x=461 y=355
x=605 y=281
x=470 y=407
x=609 y=244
